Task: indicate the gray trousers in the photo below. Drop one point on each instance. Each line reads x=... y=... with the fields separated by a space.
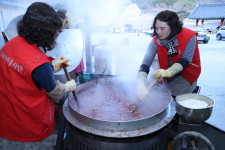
x=180 y=86
x=46 y=144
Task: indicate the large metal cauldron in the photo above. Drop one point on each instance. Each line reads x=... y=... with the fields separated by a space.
x=103 y=108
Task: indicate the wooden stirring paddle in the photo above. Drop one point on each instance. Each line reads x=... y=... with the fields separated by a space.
x=68 y=78
x=152 y=84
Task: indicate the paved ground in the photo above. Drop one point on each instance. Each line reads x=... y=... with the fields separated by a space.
x=212 y=79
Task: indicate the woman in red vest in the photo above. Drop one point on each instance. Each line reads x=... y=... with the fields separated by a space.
x=28 y=88
x=178 y=56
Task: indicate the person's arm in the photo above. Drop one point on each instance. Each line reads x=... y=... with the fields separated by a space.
x=187 y=56
x=43 y=77
x=144 y=70
x=149 y=57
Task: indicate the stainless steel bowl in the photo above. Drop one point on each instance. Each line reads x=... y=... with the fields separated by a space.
x=193 y=115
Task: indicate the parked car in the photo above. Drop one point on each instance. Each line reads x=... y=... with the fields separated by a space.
x=202 y=36
x=147 y=31
x=220 y=33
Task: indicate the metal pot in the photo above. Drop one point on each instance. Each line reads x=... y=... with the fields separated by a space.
x=191 y=115
x=101 y=109
x=69 y=45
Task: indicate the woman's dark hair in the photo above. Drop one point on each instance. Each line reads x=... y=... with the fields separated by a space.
x=172 y=19
x=40 y=25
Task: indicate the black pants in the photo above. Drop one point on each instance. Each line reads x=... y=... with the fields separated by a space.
x=80 y=77
x=196 y=90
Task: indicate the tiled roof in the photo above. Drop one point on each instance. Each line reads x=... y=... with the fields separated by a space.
x=208 y=11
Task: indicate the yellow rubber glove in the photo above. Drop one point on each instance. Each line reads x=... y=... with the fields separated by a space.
x=141 y=88
x=170 y=72
x=70 y=86
x=58 y=64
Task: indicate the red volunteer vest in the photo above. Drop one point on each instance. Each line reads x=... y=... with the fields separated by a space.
x=27 y=114
x=191 y=72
